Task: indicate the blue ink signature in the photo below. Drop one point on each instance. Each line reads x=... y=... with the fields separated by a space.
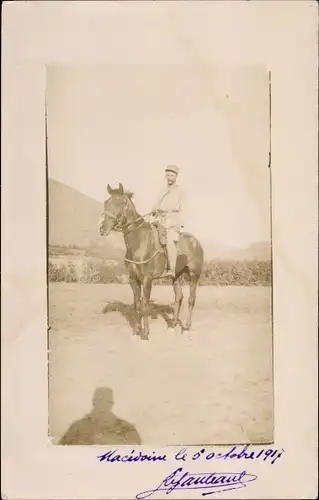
x=216 y=482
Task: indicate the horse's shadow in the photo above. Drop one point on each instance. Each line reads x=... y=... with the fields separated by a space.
x=128 y=312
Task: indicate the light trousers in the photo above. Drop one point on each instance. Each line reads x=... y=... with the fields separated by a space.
x=172 y=240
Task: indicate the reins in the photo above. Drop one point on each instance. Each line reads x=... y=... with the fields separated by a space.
x=142 y=217
x=142 y=261
x=124 y=226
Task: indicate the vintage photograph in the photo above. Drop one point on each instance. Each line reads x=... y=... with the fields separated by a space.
x=159 y=254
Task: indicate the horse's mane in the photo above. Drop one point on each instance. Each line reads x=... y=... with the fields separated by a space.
x=129 y=194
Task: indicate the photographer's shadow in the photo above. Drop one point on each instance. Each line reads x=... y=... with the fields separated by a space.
x=101 y=426
x=128 y=312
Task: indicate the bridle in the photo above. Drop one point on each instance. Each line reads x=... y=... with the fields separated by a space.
x=118 y=222
x=121 y=226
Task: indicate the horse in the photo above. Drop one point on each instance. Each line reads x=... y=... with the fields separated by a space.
x=146 y=258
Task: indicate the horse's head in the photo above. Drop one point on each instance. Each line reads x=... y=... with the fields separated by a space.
x=116 y=207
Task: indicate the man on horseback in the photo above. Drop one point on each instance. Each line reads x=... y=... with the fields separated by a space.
x=143 y=248
x=168 y=210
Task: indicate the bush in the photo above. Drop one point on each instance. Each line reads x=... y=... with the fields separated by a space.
x=71 y=273
x=57 y=273
x=90 y=272
x=236 y=273
x=217 y=272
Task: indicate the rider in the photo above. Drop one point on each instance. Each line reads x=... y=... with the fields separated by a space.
x=168 y=205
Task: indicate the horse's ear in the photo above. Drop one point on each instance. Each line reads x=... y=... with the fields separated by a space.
x=110 y=190
x=130 y=195
x=121 y=189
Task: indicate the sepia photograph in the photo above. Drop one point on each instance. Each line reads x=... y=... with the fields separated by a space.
x=159 y=241
x=159 y=260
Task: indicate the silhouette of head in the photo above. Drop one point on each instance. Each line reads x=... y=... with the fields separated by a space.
x=103 y=400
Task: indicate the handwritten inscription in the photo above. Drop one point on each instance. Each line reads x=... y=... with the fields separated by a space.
x=115 y=456
x=235 y=453
x=213 y=482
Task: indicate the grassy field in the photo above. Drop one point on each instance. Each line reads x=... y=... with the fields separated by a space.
x=213 y=385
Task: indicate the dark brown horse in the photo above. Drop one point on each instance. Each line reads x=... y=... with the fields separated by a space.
x=146 y=258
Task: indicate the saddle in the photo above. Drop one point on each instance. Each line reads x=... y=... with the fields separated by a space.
x=161 y=233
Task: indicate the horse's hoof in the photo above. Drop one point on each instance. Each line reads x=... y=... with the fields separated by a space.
x=144 y=336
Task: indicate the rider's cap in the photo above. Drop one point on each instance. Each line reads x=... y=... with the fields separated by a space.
x=172 y=168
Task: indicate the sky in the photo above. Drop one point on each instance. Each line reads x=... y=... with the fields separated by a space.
x=125 y=123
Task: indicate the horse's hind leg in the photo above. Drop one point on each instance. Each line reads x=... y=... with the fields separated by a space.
x=147 y=288
x=178 y=300
x=136 y=287
x=192 y=298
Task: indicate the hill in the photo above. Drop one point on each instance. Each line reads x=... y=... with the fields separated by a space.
x=260 y=251
x=73 y=220
x=257 y=251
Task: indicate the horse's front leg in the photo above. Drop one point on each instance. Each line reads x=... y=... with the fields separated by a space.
x=177 y=285
x=192 y=298
x=147 y=288
x=136 y=287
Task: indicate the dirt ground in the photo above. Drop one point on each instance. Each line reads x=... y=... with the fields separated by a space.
x=211 y=386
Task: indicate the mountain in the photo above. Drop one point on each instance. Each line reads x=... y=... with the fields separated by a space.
x=257 y=251
x=73 y=220
x=216 y=251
